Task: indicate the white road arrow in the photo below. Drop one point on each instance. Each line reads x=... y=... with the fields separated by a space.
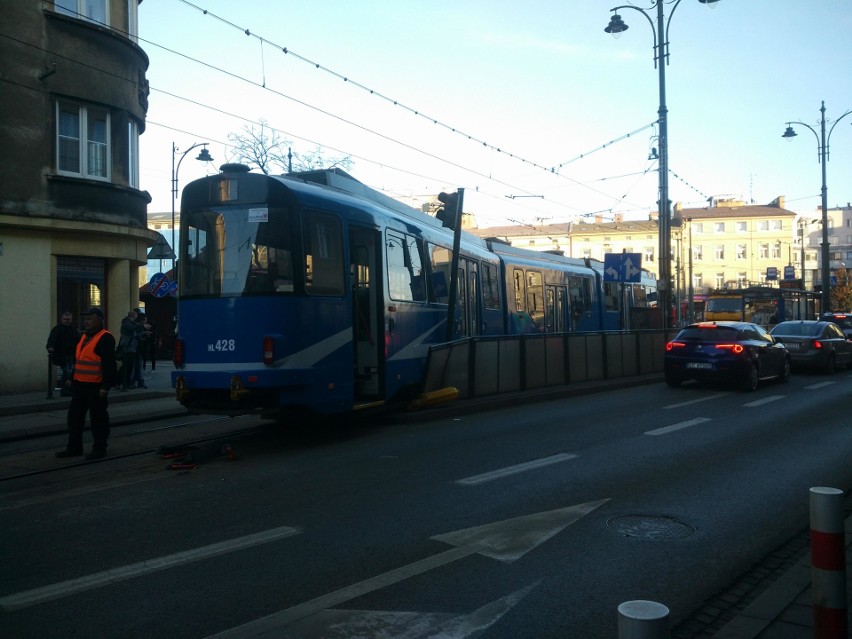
x=629 y=269
x=506 y=541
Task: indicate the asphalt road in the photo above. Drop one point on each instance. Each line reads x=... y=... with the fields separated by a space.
x=533 y=521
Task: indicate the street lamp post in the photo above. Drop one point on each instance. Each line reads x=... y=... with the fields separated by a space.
x=661 y=59
x=203 y=156
x=823 y=150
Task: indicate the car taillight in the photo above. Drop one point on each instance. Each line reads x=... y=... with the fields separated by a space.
x=268 y=351
x=179 y=355
x=672 y=345
x=815 y=343
x=734 y=348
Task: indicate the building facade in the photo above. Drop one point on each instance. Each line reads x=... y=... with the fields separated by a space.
x=73 y=226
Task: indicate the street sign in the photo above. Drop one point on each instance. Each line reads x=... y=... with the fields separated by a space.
x=161 y=286
x=771 y=273
x=789 y=272
x=622 y=267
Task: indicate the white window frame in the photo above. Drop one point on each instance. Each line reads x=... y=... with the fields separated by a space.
x=719 y=227
x=763 y=251
x=83 y=141
x=742 y=227
x=763 y=225
x=775 y=250
x=719 y=252
x=82 y=9
x=742 y=251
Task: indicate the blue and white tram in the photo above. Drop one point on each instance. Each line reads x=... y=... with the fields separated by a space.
x=312 y=291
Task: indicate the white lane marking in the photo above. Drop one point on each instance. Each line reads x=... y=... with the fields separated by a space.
x=697 y=401
x=514 y=470
x=670 y=429
x=819 y=385
x=114 y=575
x=765 y=400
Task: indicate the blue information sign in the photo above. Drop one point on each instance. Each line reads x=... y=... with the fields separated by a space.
x=622 y=267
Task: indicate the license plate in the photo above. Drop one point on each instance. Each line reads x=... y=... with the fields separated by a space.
x=793 y=346
x=701 y=365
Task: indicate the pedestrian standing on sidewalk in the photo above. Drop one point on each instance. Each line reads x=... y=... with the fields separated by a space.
x=141 y=349
x=61 y=344
x=128 y=343
x=94 y=370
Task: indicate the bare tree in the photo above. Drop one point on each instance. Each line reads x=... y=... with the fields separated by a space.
x=261 y=146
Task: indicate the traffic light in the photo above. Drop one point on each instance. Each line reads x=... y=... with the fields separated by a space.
x=449 y=213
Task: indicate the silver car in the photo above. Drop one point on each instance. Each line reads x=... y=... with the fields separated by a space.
x=815 y=344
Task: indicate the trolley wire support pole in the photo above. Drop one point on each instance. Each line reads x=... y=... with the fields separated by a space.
x=828 y=563
x=825 y=253
x=660 y=29
x=456 y=216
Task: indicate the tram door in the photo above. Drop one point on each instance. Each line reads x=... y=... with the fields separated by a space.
x=470 y=296
x=367 y=328
x=556 y=309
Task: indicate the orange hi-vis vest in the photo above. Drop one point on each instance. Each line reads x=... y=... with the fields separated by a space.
x=89 y=367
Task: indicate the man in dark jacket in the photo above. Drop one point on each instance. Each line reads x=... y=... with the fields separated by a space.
x=61 y=344
x=94 y=372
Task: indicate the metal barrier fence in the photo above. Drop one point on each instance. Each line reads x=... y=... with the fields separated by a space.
x=481 y=366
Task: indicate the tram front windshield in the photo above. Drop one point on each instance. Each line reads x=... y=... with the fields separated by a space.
x=236 y=251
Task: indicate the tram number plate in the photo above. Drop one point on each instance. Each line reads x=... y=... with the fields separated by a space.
x=701 y=365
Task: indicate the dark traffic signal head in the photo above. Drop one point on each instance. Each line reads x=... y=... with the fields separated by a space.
x=448 y=214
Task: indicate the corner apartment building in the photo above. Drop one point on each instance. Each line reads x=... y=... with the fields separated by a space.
x=73 y=227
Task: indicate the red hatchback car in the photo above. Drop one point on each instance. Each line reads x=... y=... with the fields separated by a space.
x=734 y=352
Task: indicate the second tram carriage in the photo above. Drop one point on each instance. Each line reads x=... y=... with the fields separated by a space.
x=314 y=291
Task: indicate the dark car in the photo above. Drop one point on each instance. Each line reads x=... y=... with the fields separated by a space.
x=843 y=320
x=815 y=344
x=739 y=352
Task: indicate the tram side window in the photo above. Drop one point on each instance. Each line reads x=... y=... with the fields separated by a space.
x=518 y=279
x=441 y=263
x=490 y=286
x=579 y=292
x=322 y=236
x=611 y=296
x=405 y=268
x=535 y=298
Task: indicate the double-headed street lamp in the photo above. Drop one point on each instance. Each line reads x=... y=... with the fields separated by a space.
x=661 y=51
x=203 y=156
x=822 y=147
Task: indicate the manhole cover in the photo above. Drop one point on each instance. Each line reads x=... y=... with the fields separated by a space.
x=650 y=527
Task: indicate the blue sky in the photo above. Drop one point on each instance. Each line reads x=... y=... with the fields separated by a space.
x=543 y=102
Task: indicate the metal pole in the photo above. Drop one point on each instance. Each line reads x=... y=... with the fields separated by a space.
x=664 y=211
x=454 y=266
x=174 y=196
x=826 y=281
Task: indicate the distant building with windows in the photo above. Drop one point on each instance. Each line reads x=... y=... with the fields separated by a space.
x=73 y=226
x=731 y=243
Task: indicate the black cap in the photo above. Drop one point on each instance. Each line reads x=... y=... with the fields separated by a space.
x=95 y=311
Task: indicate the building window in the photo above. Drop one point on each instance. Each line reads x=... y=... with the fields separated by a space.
x=133 y=155
x=133 y=20
x=82 y=145
x=742 y=280
x=92 y=10
x=719 y=227
x=718 y=280
x=697 y=228
x=776 y=250
x=720 y=252
x=697 y=253
x=742 y=227
x=763 y=251
x=697 y=278
x=741 y=251
x=776 y=225
x=763 y=225
x=648 y=254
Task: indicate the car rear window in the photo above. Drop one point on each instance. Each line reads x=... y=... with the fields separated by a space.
x=797 y=329
x=842 y=322
x=709 y=334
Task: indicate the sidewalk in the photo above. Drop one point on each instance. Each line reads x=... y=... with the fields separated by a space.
x=772 y=601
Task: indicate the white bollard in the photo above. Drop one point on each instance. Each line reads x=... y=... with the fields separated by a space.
x=828 y=563
x=643 y=620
